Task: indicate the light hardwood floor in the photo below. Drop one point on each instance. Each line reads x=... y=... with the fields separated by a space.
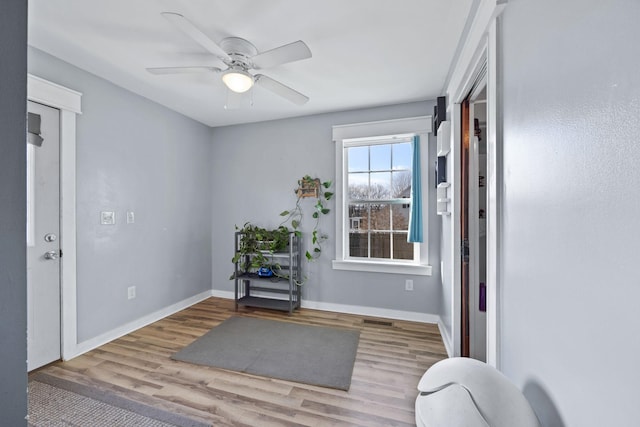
x=389 y=363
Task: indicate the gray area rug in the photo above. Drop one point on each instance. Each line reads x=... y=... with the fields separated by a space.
x=314 y=355
x=54 y=402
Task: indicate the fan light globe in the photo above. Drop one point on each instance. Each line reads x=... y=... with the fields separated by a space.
x=237 y=80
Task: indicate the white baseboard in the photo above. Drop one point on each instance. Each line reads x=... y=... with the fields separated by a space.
x=113 y=334
x=446 y=338
x=223 y=294
x=373 y=311
x=355 y=309
x=116 y=333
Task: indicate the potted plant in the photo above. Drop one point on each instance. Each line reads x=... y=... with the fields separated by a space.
x=309 y=187
x=256 y=245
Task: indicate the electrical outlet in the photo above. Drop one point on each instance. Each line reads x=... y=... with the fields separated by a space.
x=131 y=218
x=408 y=285
x=131 y=292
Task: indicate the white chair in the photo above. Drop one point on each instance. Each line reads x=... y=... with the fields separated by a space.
x=463 y=392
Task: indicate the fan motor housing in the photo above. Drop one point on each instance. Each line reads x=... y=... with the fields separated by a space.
x=240 y=50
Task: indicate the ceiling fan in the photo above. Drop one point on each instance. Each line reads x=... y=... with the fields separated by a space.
x=240 y=56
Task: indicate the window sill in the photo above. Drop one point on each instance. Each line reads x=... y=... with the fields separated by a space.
x=382 y=267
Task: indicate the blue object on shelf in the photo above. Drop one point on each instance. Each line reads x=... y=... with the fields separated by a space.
x=265 y=272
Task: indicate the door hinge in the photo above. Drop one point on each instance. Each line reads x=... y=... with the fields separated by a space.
x=61 y=253
x=464 y=250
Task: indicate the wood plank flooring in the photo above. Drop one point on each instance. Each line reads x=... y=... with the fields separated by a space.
x=389 y=363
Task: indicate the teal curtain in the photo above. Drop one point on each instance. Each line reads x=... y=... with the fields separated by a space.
x=415 y=216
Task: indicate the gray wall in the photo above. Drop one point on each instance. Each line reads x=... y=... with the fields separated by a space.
x=569 y=326
x=133 y=154
x=13 y=264
x=256 y=171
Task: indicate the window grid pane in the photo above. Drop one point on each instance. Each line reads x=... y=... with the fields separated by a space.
x=379 y=230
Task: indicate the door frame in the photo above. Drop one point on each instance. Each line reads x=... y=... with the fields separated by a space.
x=480 y=48
x=68 y=101
x=475 y=318
x=463 y=179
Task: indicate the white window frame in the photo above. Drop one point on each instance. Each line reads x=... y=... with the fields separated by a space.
x=343 y=134
x=31 y=192
x=369 y=142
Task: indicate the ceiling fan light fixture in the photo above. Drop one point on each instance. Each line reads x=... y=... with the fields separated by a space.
x=237 y=80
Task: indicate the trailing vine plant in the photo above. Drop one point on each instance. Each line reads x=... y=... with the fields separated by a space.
x=310 y=187
x=257 y=246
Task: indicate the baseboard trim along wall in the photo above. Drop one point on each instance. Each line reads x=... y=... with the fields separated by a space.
x=116 y=333
x=357 y=309
x=446 y=338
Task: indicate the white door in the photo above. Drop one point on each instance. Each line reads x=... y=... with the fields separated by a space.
x=43 y=237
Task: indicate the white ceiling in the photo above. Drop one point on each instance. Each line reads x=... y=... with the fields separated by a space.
x=365 y=52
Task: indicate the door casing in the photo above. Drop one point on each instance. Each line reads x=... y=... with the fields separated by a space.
x=480 y=47
x=68 y=102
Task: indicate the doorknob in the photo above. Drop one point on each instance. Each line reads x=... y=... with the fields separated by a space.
x=51 y=255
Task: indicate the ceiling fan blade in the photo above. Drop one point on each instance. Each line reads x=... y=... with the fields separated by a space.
x=182 y=70
x=280 y=89
x=184 y=25
x=281 y=55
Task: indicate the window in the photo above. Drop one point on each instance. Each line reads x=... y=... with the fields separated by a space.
x=31 y=179
x=373 y=196
x=378 y=184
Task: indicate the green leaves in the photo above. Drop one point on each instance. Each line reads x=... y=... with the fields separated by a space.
x=294 y=217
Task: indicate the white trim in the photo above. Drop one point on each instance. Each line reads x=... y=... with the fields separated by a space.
x=385 y=313
x=382 y=267
x=446 y=338
x=342 y=135
x=456 y=264
x=69 y=103
x=222 y=294
x=494 y=184
x=487 y=12
x=378 y=140
x=31 y=192
x=51 y=94
x=480 y=45
x=410 y=316
x=68 y=231
x=120 y=331
x=421 y=124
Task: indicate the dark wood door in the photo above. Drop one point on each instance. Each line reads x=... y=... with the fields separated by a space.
x=464 y=228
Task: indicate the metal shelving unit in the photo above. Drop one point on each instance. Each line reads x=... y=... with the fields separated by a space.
x=278 y=292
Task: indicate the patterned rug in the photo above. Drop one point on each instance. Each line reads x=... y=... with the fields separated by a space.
x=54 y=402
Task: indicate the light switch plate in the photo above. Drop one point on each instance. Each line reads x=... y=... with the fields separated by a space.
x=131 y=218
x=107 y=218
